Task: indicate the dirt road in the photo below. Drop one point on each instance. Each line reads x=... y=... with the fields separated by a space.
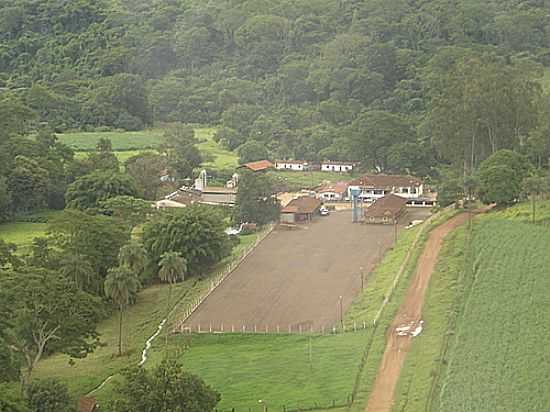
x=408 y=316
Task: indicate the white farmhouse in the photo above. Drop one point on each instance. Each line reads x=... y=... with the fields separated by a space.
x=334 y=166
x=374 y=187
x=293 y=165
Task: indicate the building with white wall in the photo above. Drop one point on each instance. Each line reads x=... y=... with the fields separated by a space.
x=334 y=166
x=374 y=187
x=293 y=165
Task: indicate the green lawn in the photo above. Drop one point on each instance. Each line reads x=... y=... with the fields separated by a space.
x=292 y=371
x=22 y=233
x=483 y=347
x=221 y=159
x=122 y=141
x=307 y=180
x=127 y=144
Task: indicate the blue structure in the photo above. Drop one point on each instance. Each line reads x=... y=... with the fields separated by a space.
x=355 y=208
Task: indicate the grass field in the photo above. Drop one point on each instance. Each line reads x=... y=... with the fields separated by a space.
x=292 y=371
x=127 y=144
x=499 y=357
x=22 y=233
x=141 y=321
x=482 y=348
x=307 y=180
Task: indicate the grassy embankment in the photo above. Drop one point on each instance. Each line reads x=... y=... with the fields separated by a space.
x=485 y=311
x=140 y=322
x=127 y=144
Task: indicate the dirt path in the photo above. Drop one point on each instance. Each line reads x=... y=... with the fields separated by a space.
x=409 y=315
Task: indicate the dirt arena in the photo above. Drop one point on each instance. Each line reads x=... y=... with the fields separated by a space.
x=295 y=278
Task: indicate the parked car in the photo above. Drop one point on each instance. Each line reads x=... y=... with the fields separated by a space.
x=324 y=211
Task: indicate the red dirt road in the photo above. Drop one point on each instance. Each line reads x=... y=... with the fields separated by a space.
x=295 y=277
x=410 y=312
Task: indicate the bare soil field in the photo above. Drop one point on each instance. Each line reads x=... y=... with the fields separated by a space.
x=295 y=278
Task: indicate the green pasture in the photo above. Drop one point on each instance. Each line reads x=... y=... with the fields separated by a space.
x=22 y=232
x=287 y=371
x=498 y=357
x=128 y=144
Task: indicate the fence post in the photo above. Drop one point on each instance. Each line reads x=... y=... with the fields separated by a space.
x=221 y=327
x=300 y=329
x=232 y=328
x=278 y=329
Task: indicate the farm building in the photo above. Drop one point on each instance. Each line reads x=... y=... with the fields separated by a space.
x=300 y=210
x=294 y=165
x=218 y=195
x=334 y=166
x=386 y=210
x=259 y=166
x=332 y=192
x=376 y=186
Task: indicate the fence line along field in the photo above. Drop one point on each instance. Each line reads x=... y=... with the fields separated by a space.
x=499 y=358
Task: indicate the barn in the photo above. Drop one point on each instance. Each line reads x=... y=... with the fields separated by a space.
x=386 y=210
x=301 y=210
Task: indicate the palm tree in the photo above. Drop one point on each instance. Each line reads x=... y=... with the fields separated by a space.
x=173 y=267
x=78 y=269
x=120 y=284
x=133 y=256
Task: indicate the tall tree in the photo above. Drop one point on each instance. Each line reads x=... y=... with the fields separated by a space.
x=256 y=201
x=172 y=267
x=166 y=388
x=49 y=314
x=121 y=283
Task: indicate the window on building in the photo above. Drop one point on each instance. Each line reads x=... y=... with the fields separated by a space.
x=414 y=191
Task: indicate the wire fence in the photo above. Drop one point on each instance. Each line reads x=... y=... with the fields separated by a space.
x=313 y=406
x=220 y=277
x=221 y=328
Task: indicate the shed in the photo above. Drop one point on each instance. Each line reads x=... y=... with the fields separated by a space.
x=386 y=210
x=300 y=210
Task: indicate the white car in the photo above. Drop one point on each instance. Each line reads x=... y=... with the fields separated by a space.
x=324 y=211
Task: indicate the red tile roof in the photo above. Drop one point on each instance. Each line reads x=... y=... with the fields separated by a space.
x=258 y=166
x=389 y=205
x=304 y=204
x=87 y=404
x=386 y=181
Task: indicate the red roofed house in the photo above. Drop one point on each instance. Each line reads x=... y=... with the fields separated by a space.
x=259 y=166
x=87 y=404
x=332 y=192
x=386 y=210
x=294 y=165
x=300 y=210
x=376 y=186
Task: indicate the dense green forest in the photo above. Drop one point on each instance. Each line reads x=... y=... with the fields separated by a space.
x=377 y=81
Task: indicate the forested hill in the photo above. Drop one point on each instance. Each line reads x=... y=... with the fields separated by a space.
x=379 y=81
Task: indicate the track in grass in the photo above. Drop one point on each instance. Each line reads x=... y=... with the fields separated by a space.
x=410 y=311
